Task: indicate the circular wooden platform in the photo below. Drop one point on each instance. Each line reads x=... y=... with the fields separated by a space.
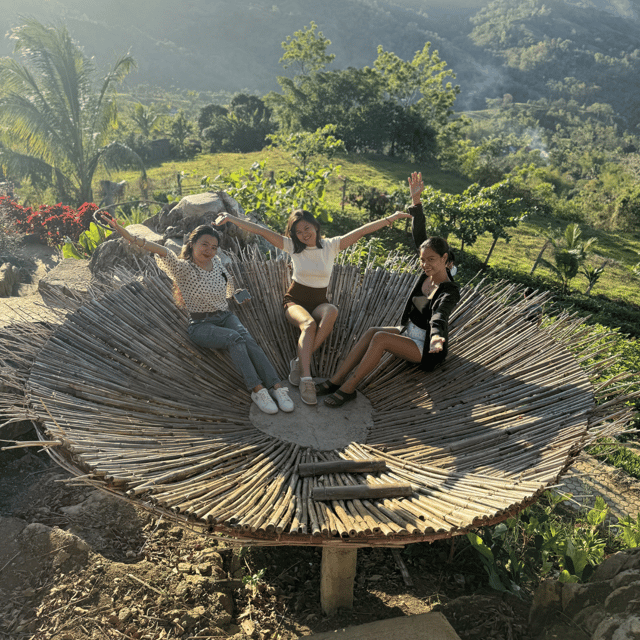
x=137 y=409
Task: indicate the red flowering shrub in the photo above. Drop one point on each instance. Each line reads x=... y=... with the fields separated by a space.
x=50 y=223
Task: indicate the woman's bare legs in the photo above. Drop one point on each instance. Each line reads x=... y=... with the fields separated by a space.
x=314 y=330
x=357 y=353
x=325 y=315
x=368 y=352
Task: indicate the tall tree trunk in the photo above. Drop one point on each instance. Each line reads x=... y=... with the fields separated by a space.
x=535 y=264
x=486 y=262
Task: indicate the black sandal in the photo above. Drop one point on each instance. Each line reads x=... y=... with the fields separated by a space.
x=326 y=387
x=338 y=398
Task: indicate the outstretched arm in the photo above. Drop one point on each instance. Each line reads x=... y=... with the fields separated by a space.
x=141 y=243
x=439 y=323
x=371 y=227
x=270 y=236
x=419 y=227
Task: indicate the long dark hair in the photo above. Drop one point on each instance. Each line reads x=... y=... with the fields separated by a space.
x=440 y=246
x=187 y=254
x=298 y=216
x=194 y=236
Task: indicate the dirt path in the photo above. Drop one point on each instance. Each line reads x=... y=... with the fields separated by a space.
x=36 y=260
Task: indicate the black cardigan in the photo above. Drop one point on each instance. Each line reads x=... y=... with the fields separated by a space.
x=434 y=317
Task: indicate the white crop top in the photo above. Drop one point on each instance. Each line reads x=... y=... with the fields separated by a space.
x=312 y=267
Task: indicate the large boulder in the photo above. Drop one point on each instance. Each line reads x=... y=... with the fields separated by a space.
x=117 y=253
x=200 y=208
x=175 y=222
x=9 y=279
x=70 y=277
x=606 y=608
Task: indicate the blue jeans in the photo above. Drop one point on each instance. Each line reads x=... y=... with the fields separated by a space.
x=225 y=331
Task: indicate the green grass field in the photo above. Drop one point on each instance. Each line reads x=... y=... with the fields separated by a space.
x=622 y=250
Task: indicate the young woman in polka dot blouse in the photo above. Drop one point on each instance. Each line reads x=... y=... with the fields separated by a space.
x=305 y=303
x=205 y=285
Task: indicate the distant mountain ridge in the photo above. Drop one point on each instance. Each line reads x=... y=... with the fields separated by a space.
x=506 y=46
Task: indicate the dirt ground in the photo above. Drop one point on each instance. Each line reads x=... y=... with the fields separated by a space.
x=79 y=564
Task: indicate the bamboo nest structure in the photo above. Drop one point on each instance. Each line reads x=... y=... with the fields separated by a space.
x=124 y=401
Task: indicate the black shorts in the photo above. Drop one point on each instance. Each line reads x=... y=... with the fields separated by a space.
x=307 y=297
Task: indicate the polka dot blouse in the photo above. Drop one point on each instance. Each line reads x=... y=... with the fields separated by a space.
x=201 y=290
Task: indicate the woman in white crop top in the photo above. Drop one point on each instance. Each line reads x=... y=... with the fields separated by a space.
x=305 y=303
x=204 y=286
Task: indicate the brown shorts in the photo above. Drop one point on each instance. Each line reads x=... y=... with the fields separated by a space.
x=307 y=297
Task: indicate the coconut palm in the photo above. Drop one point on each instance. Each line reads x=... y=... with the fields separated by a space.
x=55 y=124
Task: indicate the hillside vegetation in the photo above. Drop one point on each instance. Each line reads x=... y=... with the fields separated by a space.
x=505 y=46
x=517 y=256
x=561 y=149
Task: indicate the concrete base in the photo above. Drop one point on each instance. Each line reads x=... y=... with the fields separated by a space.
x=337 y=575
x=426 y=626
x=317 y=426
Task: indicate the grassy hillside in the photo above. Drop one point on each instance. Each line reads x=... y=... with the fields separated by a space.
x=518 y=256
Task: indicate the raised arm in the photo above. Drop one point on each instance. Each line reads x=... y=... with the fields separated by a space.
x=371 y=227
x=270 y=236
x=141 y=243
x=419 y=226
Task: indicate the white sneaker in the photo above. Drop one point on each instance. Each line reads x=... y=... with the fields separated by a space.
x=294 y=374
x=282 y=398
x=308 y=391
x=264 y=401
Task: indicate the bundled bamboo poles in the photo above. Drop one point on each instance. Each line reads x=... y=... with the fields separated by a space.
x=125 y=401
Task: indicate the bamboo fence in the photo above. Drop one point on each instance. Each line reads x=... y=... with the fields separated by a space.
x=124 y=401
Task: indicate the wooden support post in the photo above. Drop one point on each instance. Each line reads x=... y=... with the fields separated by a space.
x=337 y=575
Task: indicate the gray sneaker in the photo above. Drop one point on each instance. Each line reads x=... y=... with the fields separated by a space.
x=294 y=374
x=308 y=391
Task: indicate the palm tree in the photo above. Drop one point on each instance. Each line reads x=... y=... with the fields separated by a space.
x=145 y=119
x=54 y=126
x=570 y=254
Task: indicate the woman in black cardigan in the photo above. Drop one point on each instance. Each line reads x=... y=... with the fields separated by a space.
x=423 y=336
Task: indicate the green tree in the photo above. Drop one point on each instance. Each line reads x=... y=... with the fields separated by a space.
x=306 y=50
x=476 y=211
x=498 y=210
x=180 y=130
x=249 y=124
x=242 y=126
x=419 y=88
x=55 y=126
x=214 y=125
x=304 y=147
x=395 y=107
x=145 y=119
x=273 y=197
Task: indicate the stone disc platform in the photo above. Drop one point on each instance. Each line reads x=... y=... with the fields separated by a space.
x=317 y=426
